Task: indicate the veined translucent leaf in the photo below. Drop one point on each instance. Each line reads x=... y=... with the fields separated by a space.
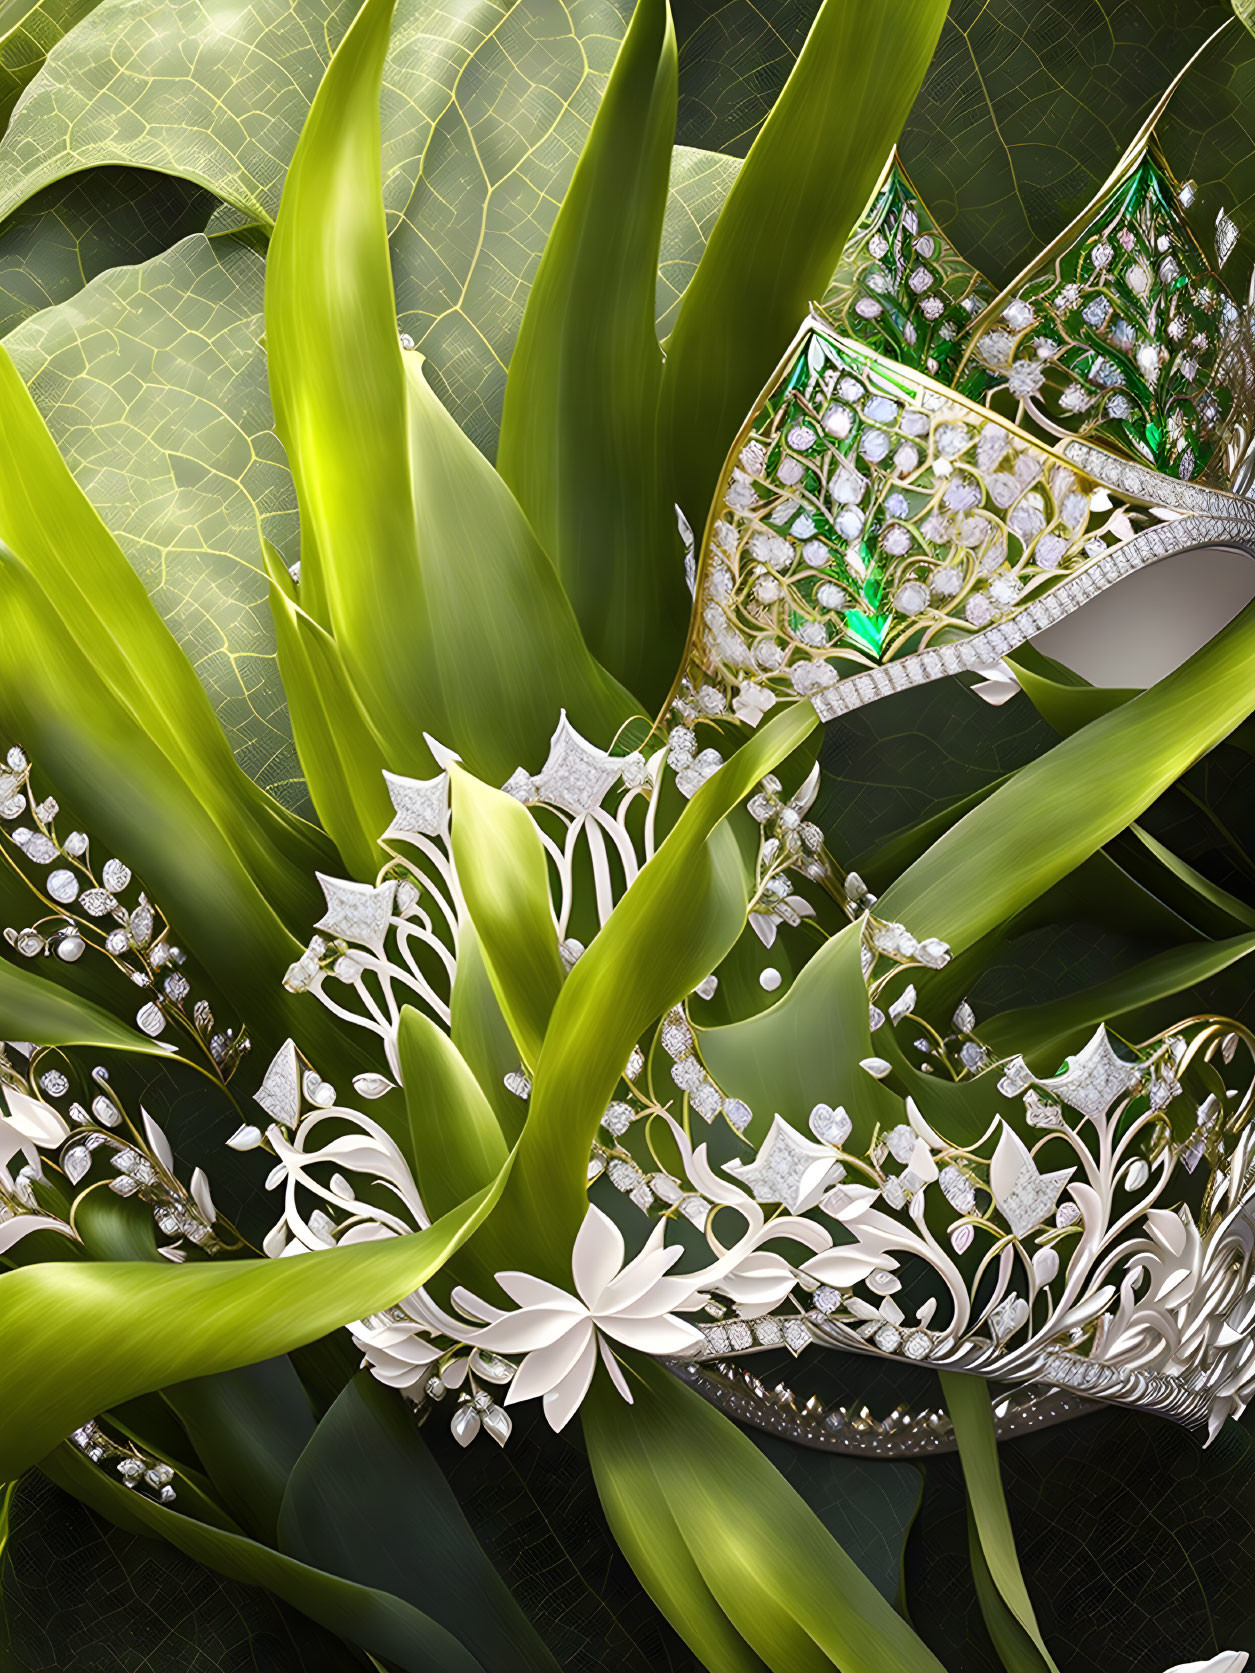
x=83 y=225
x=700 y=181
x=1047 y=1032
x=967 y=1401
x=455 y=1141
x=106 y=618
x=376 y=1620
x=367 y=1501
x=776 y=242
x=152 y=380
x=37 y=1009
x=504 y=876
x=340 y=755
x=449 y=616
x=487 y=107
x=1065 y=805
x=579 y=442
x=28 y=28
x=173 y=90
x=81 y=1337
x=676 y=1478
x=668 y=932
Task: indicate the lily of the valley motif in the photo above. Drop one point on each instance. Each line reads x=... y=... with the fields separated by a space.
x=1054 y=1245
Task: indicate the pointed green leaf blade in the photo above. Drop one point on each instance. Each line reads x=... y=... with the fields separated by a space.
x=377 y=1620
x=967 y=1401
x=455 y=1140
x=1062 y=807
x=777 y=241
x=764 y=1557
x=579 y=428
x=83 y=1336
x=680 y=917
x=367 y=1501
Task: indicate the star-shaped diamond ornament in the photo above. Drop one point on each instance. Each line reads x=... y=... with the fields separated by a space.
x=421 y=804
x=1023 y=1194
x=576 y=777
x=788 y=1169
x=357 y=911
x=1093 y=1079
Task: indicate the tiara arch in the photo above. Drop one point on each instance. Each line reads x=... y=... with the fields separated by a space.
x=882 y=518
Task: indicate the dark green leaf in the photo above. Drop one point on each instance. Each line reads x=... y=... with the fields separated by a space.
x=376 y=1620
x=367 y=1502
x=677 y=1477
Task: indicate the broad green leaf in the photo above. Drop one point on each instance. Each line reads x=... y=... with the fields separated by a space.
x=481 y=1033
x=28 y=28
x=368 y=1502
x=79 y=227
x=504 y=640
x=178 y=88
x=455 y=1141
x=81 y=1337
x=1047 y=1031
x=868 y=1505
x=579 y=444
x=153 y=382
x=1065 y=805
x=32 y=1008
x=376 y=1620
x=504 y=875
x=487 y=107
x=806 y=1048
x=735 y=57
x=677 y=922
x=449 y=616
x=967 y=1401
x=761 y=1554
x=340 y=755
x=786 y=219
x=249 y=1427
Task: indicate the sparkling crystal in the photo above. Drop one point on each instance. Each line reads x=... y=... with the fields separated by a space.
x=357 y=911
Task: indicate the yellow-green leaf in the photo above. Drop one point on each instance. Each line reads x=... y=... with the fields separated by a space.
x=504 y=875
x=777 y=240
x=83 y=1336
x=676 y=1477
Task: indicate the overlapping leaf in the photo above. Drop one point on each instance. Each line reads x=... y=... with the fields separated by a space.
x=153 y=383
x=81 y=1338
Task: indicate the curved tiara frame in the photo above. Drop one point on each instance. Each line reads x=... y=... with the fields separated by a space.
x=870 y=518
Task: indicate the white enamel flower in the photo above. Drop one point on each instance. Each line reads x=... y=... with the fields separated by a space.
x=1228 y=1661
x=25 y=1125
x=561 y=1335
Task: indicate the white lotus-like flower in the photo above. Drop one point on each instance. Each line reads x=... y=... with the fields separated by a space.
x=25 y=1125
x=561 y=1335
x=1228 y=1661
